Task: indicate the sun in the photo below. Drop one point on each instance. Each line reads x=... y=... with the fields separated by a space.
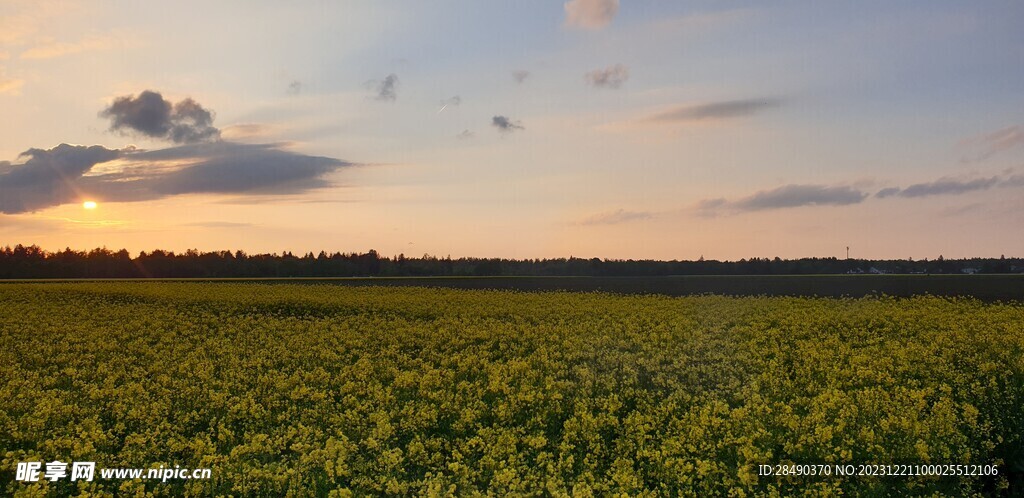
x=89 y=204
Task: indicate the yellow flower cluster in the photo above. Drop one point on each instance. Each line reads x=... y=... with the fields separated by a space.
x=316 y=390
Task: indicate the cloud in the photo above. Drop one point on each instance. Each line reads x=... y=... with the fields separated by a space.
x=944 y=186
x=218 y=224
x=10 y=86
x=715 y=110
x=53 y=49
x=988 y=145
x=465 y=134
x=520 y=75
x=962 y=210
x=794 y=195
x=226 y=167
x=25 y=223
x=590 y=14
x=800 y=195
x=1013 y=181
x=49 y=177
x=246 y=131
x=698 y=22
x=609 y=77
x=61 y=175
x=786 y=196
x=710 y=207
x=616 y=217
x=452 y=101
x=294 y=88
x=151 y=115
x=388 y=88
x=505 y=125
x=887 y=192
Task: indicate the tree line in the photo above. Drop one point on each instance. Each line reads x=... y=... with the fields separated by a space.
x=33 y=262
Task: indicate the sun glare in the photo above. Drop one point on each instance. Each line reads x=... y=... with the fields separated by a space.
x=89 y=205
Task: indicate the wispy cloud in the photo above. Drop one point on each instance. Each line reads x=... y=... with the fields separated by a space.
x=699 y=22
x=218 y=224
x=1013 y=181
x=985 y=146
x=244 y=131
x=520 y=75
x=294 y=88
x=726 y=109
x=887 y=192
x=609 y=77
x=942 y=186
x=951 y=211
x=450 y=102
x=53 y=48
x=616 y=217
x=10 y=86
x=590 y=14
x=808 y=195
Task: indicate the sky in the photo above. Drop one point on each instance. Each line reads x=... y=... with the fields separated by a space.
x=586 y=128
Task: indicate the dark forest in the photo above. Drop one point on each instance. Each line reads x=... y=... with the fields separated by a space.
x=30 y=262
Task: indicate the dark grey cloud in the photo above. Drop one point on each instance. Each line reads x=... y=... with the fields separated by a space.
x=786 y=196
x=199 y=164
x=49 y=177
x=505 y=125
x=295 y=87
x=61 y=175
x=616 y=217
x=241 y=168
x=800 y=195
x=947 y=186
x=715 y=110
x=520 y=75
x=151 y=115
x=954 y=186
x=609 y=77
x=387 y=89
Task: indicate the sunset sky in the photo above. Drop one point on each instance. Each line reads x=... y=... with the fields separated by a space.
x=646 y=129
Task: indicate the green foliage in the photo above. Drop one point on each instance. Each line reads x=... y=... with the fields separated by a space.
x=317 y=390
